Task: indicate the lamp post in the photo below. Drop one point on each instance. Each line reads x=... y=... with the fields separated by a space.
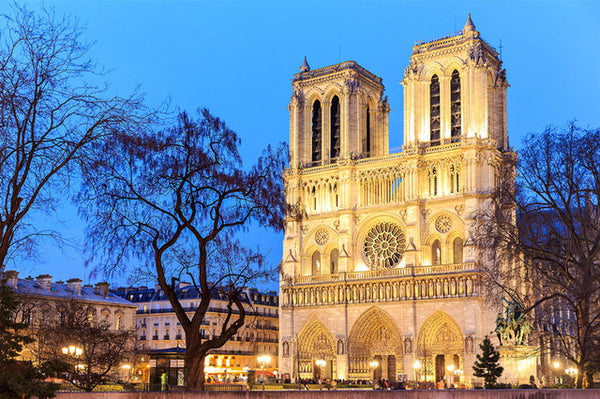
x=263 y=360
x=72 y=350
x=557 y=376
x=374 y=364
x=450 y=378
x=458 y=373
x=416 y=367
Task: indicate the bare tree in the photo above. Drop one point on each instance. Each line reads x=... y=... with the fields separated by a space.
x=545 y=232
x=91 y=349
x=53 y=105
x=174 y=200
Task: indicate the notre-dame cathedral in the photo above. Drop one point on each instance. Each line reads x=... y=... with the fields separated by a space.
x=378 y=259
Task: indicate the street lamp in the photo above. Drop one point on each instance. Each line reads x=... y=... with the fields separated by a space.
x=416 y=367
x=264 y=360
x=374 y=364
x=72 y=350
x=450 y=378
x=321 y=363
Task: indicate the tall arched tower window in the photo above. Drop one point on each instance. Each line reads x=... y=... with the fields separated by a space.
x=432 y=177
x=454 y=179
x=335 y=128
x=455 y=114
x=368 y=134
x=316 y=263
x=434 y=100
x=436 y=253
x=457 y=250
x=316 y=131
x=333 y=260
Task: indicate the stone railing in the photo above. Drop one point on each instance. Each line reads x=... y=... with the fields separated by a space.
x=407 y=271
x=409 y=283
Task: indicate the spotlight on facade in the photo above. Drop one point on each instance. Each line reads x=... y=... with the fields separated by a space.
x=556 y=365
x=321 y=363
x=417 y=365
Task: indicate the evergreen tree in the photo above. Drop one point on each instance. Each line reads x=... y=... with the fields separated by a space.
x=17 y=379
x=487 y=364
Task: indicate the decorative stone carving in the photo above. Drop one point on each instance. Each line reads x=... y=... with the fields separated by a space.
x=459 y=209
x=322 y=236
x=286 y=349
x=443 y=224
x=384 y=245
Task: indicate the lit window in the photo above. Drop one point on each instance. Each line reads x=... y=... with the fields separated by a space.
x=316 y=263
x=436 y=253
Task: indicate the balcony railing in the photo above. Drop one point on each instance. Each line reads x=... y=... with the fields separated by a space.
x=408 y=271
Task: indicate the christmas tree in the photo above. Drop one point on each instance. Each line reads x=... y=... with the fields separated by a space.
x=487 y=364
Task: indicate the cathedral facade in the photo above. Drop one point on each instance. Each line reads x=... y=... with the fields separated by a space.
x=378 y=260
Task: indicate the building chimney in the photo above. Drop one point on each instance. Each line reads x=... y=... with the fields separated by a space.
x=12 y=278
x=74 y=285
x=101 y=289
x=44 y=281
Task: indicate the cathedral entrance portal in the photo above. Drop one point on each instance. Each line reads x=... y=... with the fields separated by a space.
x=374 y=336
x=440 y=368
x=316 y=352
x=439 y=345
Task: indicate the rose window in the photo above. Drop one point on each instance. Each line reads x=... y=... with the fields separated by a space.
x=322 y=236
x=443 y=224
x=384 y=245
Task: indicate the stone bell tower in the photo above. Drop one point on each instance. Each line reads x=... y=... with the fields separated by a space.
x=455 y=88
x=337 y=112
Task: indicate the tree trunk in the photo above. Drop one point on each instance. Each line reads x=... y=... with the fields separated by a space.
x=579 y=377
x=194 y=361
x=194 y=371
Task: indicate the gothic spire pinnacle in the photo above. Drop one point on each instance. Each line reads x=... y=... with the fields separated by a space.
x=469 y=26
x=305 y=67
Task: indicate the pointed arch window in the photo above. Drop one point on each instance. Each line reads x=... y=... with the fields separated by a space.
x=454 y=179
x=434 y=110
x=432 y=178
x=436 y=253
x=455 y=111
x=316 y=263
x=316 y=132
x=333 y=260
x=368 y=134
x=335 y=128
x=457 y=250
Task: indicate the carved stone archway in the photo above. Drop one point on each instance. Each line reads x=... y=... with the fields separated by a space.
x=315 y=342
x=439 y=344
x=374 y=336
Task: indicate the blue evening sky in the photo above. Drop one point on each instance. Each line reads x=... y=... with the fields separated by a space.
x=238 y=58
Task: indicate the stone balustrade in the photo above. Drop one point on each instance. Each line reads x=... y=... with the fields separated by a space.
x=408 y=283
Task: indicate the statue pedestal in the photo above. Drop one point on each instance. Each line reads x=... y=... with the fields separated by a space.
x=519 y=362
